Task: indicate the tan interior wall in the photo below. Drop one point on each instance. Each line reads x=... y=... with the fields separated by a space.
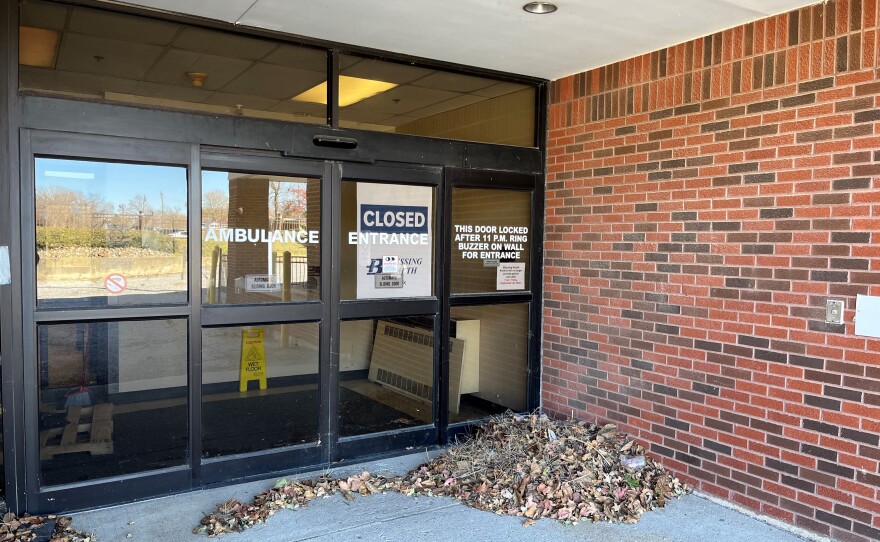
x=507 y=120
x=503 y=352
x=356 y=345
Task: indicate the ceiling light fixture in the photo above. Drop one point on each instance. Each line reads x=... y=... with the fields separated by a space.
x=351 y=91
x=197 y=78
x=540 y=8
x=37 y=47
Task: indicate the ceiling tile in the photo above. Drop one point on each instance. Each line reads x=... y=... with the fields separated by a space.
x=104 y=56
x=499 y=89
x=403 y=100
x=122 y=27
x=223 y=43
x=390 y=72
x=175 y=63
x=448 y=105
x=454 y=82
x=399 y=120
x=492 y=34
x=30 y=77
x=298 y=57
x=43 y=15
x=272 y=81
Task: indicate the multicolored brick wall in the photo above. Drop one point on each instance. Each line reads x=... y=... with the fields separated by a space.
x=703 y=203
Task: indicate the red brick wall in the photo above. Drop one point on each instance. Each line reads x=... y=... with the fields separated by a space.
x=703 y=202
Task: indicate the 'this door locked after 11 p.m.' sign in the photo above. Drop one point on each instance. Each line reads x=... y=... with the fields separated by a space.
x=394 y=242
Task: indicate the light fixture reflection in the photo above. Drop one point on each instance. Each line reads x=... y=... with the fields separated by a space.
x=351 y=91
x=37 y=46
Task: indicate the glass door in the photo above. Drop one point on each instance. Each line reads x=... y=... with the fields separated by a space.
x=264 y=320
x=106 y=312
x=493 y=279
x=199 y=315
x=388 y=309
x=319 y=307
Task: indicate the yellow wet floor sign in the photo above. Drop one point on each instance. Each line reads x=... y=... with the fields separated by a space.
x=253 y=359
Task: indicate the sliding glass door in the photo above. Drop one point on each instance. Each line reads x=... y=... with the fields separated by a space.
x=199 y=315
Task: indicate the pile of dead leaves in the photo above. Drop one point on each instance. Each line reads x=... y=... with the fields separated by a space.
x=30 y=528
x=534 y=467
x=527 y=466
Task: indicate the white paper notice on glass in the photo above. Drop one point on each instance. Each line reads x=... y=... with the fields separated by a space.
x=5 y=273
x=511 y=276
x=395 y=241
x=868 y=316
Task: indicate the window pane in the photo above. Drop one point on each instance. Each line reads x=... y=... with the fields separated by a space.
x=405 y=99
x=387 y=238
x=260 y=238
x=110 y=233
x=113 y=398
x=491 y=240
x=490 y=376
x=75 y=51
x=387 y=374
x=260 y=387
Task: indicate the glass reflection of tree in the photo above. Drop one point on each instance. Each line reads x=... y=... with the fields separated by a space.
x=59 y=207
x=215 y=208
x=288 y=205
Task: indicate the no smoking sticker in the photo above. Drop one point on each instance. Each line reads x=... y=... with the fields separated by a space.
x=115 y=283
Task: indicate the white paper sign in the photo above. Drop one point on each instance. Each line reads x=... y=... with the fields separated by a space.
x=394 y=237
x=5 y=273
x=511 y=276
x=261 y=283
x=868 y=316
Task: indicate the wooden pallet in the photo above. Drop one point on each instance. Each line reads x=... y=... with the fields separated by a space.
x=88 y=429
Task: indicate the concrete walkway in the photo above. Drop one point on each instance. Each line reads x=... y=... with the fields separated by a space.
x=394 y=517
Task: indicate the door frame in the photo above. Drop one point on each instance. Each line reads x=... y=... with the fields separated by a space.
x=498 y=180
x=209 y=471
x=112 y=489
x=360 y=446
x=191 y=135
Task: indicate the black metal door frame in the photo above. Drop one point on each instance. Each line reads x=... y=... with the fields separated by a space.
x=10 y=294
x=498 y=180
x=329 y=311
x=117 y=489
x=262 y=463
x=348 y=448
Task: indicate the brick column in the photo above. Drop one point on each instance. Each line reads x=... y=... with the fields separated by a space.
x=249 y=209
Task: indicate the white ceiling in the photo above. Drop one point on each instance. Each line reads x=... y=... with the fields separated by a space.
x=492 y=34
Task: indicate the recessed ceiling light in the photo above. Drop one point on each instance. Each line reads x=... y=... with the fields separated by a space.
x=540 y=8
x=37 y=46
x=351 y=91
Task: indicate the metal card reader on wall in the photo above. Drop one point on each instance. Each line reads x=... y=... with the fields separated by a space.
x=833 y=311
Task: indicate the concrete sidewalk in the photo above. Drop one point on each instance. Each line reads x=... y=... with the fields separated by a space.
x=394 y=517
